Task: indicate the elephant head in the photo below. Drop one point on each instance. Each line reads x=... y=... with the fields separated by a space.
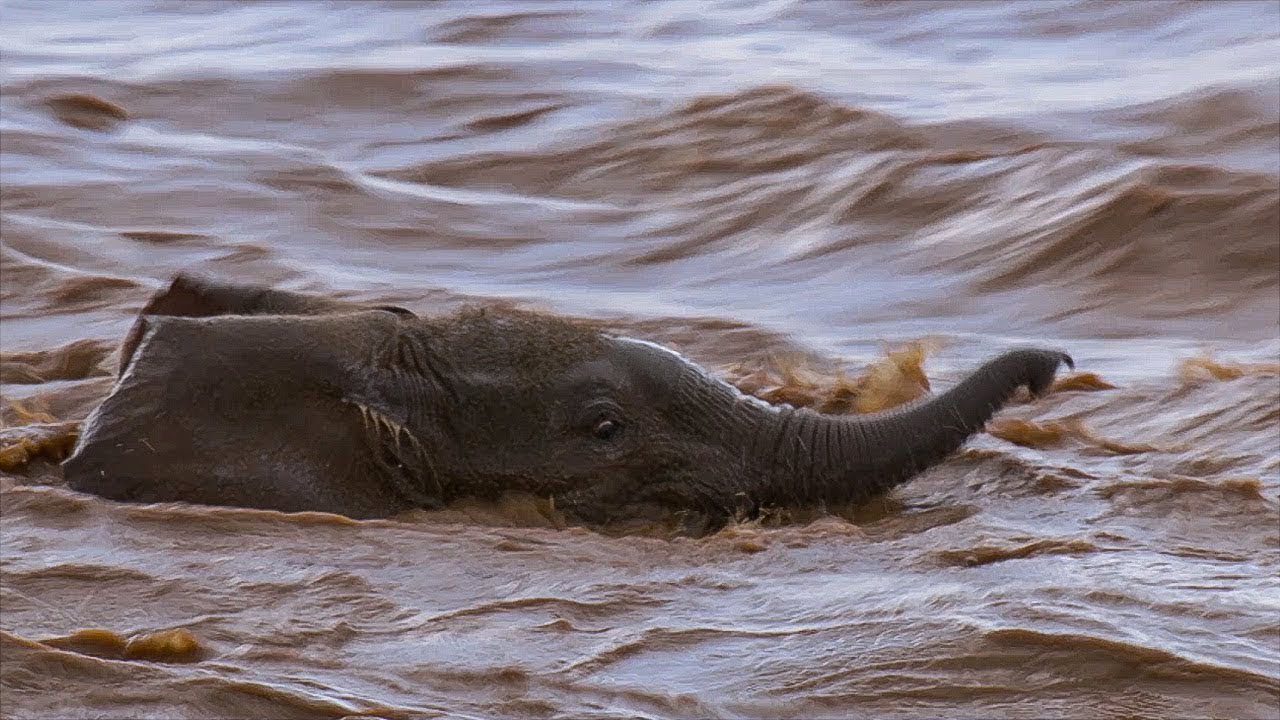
x=270 y=399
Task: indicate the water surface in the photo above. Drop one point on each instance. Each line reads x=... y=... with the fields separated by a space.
x=751 y=182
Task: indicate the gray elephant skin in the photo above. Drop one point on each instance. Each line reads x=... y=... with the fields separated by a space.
x=248 y=396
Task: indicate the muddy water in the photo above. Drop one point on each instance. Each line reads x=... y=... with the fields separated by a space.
x=782 y=190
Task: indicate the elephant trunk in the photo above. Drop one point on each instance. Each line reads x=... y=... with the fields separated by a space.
x=816 y=459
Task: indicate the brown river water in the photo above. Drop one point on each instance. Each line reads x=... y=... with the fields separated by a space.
x=830 y=203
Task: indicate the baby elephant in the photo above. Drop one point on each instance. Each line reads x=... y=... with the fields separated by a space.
x=249 y=396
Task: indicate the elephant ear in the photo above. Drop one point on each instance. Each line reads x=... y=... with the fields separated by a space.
x=274 y=412
x=190 y=295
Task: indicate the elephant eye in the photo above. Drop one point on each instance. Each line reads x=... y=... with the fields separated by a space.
x=607 y=429
x=602 y=420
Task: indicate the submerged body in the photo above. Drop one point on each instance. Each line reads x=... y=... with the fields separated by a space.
x=247 y=396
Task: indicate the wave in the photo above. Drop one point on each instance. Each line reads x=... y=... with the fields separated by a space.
x=788 y=178
x=1091 y=231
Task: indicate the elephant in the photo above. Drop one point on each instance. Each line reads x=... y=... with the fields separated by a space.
x=243 y=395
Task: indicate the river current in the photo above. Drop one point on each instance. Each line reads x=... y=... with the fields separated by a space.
x=816 y=200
